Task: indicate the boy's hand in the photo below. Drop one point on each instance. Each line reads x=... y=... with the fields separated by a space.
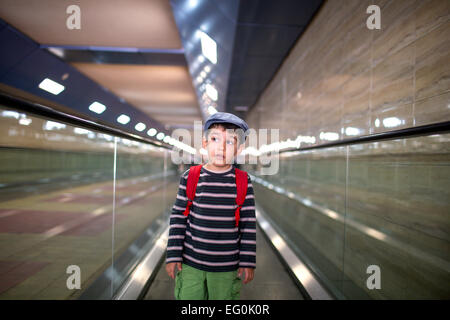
x=170 y=268
x=249 y=274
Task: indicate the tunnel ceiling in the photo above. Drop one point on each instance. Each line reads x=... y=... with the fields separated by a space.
x=148 y=53
x=266 y=31
x=253 y=37
x=130 y=47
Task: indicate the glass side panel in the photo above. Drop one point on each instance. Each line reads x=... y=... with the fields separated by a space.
x=398 y=218
x=60 y=228
x=306 y=202
x=371 y=220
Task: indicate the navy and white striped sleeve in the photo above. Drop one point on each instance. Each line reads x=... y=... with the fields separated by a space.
x=178 y=223
x=247 y=226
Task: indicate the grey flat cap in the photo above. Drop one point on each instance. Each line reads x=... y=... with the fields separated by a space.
x=225 y=117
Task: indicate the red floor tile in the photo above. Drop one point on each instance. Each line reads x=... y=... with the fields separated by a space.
x=17 y=272
x=34 y=221
x=94 y=226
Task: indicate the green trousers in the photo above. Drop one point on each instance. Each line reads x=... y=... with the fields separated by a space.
x=195 y=284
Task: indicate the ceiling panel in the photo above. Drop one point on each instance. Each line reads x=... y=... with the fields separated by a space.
x=10 y=58
x=150 y=89
x=101 y=56
x=282 y=12
x=217 y=19
x=108 y=23
x=265 y=40
x=266 y=31
x=133 y=48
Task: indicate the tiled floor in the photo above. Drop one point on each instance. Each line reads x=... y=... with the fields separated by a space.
x=41 y=235
x=271 y=282
x=15 y=272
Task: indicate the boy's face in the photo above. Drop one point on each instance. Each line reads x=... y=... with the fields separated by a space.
x=222 y=146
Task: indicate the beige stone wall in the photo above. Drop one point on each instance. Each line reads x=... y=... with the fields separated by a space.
x=386 y=202
x=342 y=75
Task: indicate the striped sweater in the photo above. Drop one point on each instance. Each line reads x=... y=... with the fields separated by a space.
x=208 y=239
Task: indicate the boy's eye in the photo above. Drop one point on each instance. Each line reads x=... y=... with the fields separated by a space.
x=229 y=142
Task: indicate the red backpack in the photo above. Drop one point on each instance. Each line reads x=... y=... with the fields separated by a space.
x=241 y=185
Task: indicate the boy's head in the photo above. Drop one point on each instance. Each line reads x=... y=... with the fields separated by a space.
x=224 y=137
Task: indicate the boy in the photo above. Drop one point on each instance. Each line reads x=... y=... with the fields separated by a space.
x=209 y=250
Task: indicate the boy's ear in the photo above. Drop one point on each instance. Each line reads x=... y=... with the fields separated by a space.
x=204 y=142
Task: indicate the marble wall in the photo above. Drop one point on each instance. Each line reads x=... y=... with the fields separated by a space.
x=343 y=78
x=383 y=203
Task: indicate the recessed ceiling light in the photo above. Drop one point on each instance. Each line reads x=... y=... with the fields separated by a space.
x=211 y=110
x=123 y=119
x=140 y=126
x=209 y=47
x=151 y=132
x=211 y=92
x=97 y=107
x=51 y=86
x=160 y=136
x=57 y=52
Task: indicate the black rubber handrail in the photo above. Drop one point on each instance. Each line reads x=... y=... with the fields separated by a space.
x=44 y=111
x=434 y=128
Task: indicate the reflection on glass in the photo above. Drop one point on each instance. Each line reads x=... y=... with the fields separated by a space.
x=61 y=209
x=375 y=206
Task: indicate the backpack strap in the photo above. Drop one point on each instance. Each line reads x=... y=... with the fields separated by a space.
x=241 y=186
x=191 y=186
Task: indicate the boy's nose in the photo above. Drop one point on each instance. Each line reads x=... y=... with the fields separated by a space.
x=223 y=145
